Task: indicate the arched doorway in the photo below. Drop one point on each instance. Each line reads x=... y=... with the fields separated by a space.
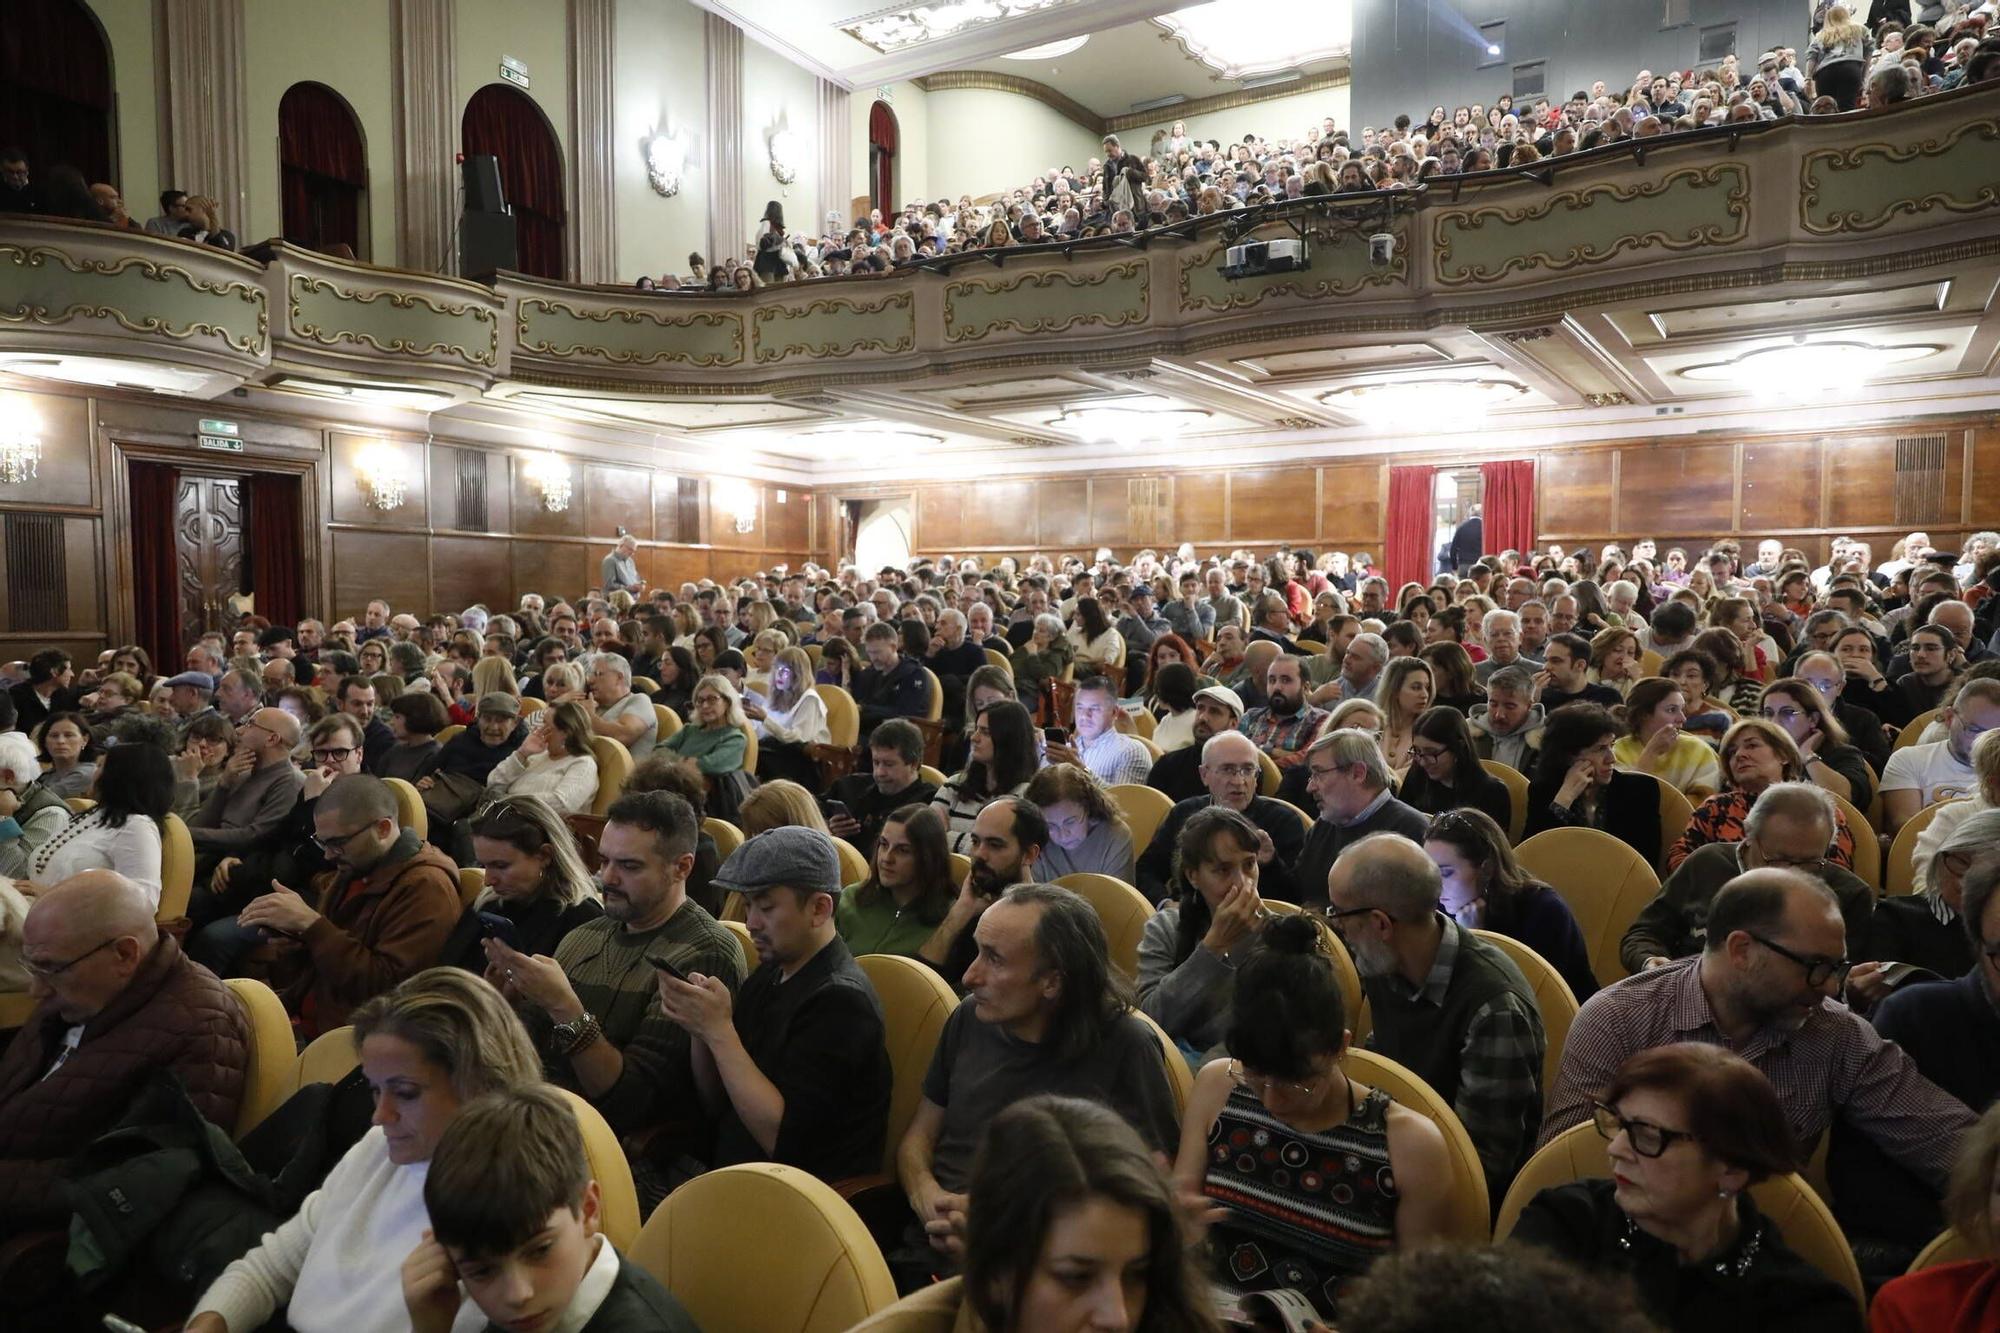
x=55 y=90
x=882 y=157
x=506 y=122
x=324 y=167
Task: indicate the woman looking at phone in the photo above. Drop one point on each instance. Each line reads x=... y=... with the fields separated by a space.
x=537 y=890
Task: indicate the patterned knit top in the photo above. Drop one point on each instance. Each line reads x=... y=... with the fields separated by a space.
x=1306 y=1211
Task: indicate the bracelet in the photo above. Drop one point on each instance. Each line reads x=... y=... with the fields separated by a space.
x=587 y=1032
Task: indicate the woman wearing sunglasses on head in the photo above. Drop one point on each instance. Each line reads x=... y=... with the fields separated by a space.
x=1691 y=1127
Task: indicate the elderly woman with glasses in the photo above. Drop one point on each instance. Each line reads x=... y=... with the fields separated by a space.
x=1351 y=1176
x=1755 y=754
x=1690 y=1128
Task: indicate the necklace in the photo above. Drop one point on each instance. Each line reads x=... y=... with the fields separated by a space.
x=47 y=851
x=1746 y=1255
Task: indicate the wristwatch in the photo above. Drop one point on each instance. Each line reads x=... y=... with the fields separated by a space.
x=574 y=1035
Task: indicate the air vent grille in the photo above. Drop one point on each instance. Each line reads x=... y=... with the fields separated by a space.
x=472 y=513
x=1919 y=478
x=37 y=582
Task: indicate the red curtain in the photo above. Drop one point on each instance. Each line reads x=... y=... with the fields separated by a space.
x=324 y=168
x=1510 y=504
x=155 y=582
x=55 y=89
x=506 y=122
x=1412 y=524
x=882 y=156
x=275 y=532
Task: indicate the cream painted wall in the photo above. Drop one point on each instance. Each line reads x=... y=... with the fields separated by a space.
x=912 y=107
x=982 y=142
x=659 y=44
x=535 y=32
x=1277 y=118
x=777 y=93
x=349 y=47
x=128 y=29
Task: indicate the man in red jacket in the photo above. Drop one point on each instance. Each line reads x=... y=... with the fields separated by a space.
x=117 y=1001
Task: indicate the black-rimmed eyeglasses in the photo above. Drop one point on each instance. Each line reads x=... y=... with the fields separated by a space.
x=1818 y=971
x=1647 y=1139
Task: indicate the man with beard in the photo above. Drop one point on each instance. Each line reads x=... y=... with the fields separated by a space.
x=1286 y=724
x=1447 y=1004
x=1767 y=985
x=593 y=1009
x=1177 y=774
x=1229 y=772
x=1008 y=838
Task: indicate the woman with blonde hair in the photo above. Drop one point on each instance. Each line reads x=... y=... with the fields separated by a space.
x=1407 y=689
x=1088 y=834
x=790 y=719
x=1839 y=56
x=780 y=804
x=762 y=651
x=535 y=879
x=554 y=762
x=1756 y=755
x=717 y=738
x=494 y=675
x=562 y=680
x=1614 y=659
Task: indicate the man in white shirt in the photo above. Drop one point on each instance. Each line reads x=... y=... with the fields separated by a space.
x=1110 y=755
x=1921 y=775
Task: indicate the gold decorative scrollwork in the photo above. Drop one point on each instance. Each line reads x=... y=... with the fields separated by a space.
x=1974 y=196
x=304 y=284
x=1694 y=235
x=34 y=257
x=1245 y=294
x=1130 y=268
x=766 y=315
x=704 y=319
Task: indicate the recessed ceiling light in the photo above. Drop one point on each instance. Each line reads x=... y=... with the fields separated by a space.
x=1801 y=366
x=107 y=372
x=1130 y=424
x=1425 y=402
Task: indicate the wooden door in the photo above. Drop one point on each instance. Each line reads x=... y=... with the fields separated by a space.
x=208 y=552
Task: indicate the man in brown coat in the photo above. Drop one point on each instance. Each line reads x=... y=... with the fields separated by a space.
x=383 y=912
x=117 y=1002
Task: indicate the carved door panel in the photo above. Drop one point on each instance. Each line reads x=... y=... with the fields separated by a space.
x=208 y=552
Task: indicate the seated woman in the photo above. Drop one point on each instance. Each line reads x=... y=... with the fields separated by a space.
x=1734 y=685
x=1360 y=714
x=908 y=890
x=1193 y=946
x=791 y=717
x=1170 y=696
x=1041 y=659
x=717 y=738
x=759 y=655
x=1445 y=772
x=839 y=664
x=990 y=684
x=562 y=681
x=1406 y=690
x=1755 y=754
x=114 y=698
x=535 y=881
x=1098 y=648
x=1383 y=1178
x=1655 y=710
x=553 y=762
x=1691 y=1127
x=1614 y=659
x=1924 y=931
x=545 y=654
x=71 y=753
x=1087 y=831
x=415 y=719
x=1962 y=1297
x=1830 y=762
x=1698 y=674
x=1001 y=759
x=1486 y=888
x=494 y=675
x=435 y=1042
x=1576 y=785
x=678 y=673
x=1068 y=1225
x=134 y=789
x=1452 y=676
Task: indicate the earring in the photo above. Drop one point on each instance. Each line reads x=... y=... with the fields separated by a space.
x=1724 y=1194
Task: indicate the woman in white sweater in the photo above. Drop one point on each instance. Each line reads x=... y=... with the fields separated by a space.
x=134 y=789
x=554 y=763
x=427 y=1047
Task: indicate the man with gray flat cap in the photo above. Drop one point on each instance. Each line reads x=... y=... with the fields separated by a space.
x=799 y=1073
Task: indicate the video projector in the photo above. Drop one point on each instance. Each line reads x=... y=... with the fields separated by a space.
x=1255 y=258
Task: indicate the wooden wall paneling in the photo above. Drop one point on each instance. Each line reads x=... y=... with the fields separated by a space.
x=531 y=517
x=617 y=497
x=938 y=517
x=1003 y=514
x=1350 y=513
x=1692 y=487
x=722 y=533
x=677 y=508
x=351 y=496
x=1859 y=475
x=1111 y=512
x=390 y=565
x=66 y=475
x=554 y=569
x=787 y=522
x=83 y=573
x=465 y=570
x=1196 y=513
x=1781 y=486
x=1957 y=464
x=1272 y=504
x=1980 y=485
x=1574 y=492
x=1064 y=507
x=674 y=565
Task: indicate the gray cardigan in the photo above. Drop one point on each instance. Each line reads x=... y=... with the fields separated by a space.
x=1190 y=1001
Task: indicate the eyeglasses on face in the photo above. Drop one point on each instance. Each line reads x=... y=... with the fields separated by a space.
x=1428 y=754
x=1235 y=770
x=333 y=754
x=48 y=971
x=1647 y=1139
x=1818 y=971
x=339 y=840
x=1261 y=1084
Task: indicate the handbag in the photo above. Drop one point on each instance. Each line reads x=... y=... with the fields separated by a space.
x=452 y=796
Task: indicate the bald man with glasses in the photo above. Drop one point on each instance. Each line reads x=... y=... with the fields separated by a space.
x=252 y=798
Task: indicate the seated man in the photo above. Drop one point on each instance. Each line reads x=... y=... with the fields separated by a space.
x=252 y=799
x=893 y=780
x=1448 y=1005
x=30 y=813
x=355 y=697
x=1508 y=726
x=798 y=1073
x=1229 y=771
x=516 y=1218
x=891 y=685
x=1763 y=986
x=1045 y=1014
x=387 y=902
x=1921 y=775
x=1286 y=724
x=1349 y=777
x=1008 y=839
x=1098 y=745
x=1565 y=676
x=117 y=1003
x=1360 y=672
x=1791 y=826
x=619 y=711
x=1502 y=631
x=1177 y=773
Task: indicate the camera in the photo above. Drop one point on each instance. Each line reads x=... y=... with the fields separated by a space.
x=1381 y=249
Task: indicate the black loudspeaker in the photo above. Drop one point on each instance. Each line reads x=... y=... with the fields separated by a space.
x=482 y=184
x=485 y=244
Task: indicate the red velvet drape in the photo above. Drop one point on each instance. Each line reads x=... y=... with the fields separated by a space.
x=55 y=89
x=274 y=537
x=1510 y=504
x=155 y=588
x=506 y=122
x=1412 y=524
x=324 y=168
x=882 y=156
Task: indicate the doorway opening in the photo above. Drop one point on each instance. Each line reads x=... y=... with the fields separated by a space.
x=881 y=532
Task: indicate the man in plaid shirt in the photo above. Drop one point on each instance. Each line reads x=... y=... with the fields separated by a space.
x=1286 y=725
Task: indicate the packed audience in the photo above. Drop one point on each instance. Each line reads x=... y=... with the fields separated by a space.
x=1318 y=791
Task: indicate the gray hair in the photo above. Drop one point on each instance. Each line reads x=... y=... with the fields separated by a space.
x=1622 y=592
x=619 y=666
x=1349 y=746
x=1975 y=833
x=1377 y=646
x=1792 y=800
x=17 y=755
x=1512 y=679
x=1985 y=690
x=1049 y=623
x=1498 y=618
x=1401 y=879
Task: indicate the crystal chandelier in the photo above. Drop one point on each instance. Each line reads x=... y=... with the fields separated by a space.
x=20 y=450
x=550 y=475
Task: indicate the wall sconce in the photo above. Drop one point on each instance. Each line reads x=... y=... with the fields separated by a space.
x=785 y=156
x=666 y=162
x=380 y=469
x=550 y=475
x=20 y=445
x=739 y=502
